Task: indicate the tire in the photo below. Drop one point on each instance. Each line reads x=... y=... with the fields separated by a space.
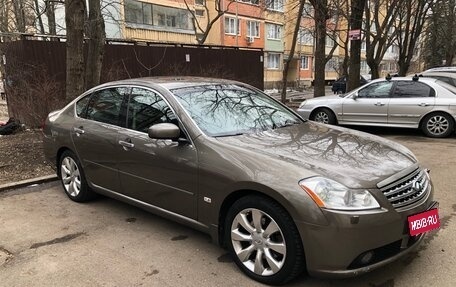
x=323 y=115
x=437 y=125
x=73 y=179
x=277 y=265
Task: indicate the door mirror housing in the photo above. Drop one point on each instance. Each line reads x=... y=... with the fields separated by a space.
x=164 y=131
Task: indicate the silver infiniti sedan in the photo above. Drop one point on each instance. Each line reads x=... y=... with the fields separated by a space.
x=424 y=103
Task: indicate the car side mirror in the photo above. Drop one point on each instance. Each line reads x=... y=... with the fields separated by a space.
x=164 y=131
x=355 y=96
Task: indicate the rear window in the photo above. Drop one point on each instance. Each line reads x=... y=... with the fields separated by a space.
x=447 y=87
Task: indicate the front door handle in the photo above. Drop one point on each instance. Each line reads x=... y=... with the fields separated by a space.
x=127 y=144
x=79 y=131
x=379 y=104
x=423 y=104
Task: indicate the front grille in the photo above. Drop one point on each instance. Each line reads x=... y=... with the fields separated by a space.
x=407 y=191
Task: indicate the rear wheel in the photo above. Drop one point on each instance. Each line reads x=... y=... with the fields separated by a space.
x=73 y=178
x=323 y=115
x=438 y=125
x=264 y=240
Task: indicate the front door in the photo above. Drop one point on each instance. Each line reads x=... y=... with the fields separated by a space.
x=370 y=105
x=160 y=172
x=94 y=135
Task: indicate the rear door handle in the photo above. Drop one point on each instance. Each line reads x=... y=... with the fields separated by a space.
x=379 y=104
x=127 y=144
x=79 y=131
x=423 y=104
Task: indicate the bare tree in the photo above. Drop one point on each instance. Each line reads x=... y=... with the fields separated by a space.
x=411 y=18
x=74 y=19
x=19 y=15
x=203 y=27
x=379 y=19
x=96 y=40
x=286 y=67
x=356 y=19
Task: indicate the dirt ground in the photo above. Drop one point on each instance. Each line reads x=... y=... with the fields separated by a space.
x=21 y=154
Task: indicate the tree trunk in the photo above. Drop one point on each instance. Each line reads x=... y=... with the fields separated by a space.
x=321 y=13
x=50 y=14
x=292 y=50
x=74 y=19
x=39 y=17
x=357 y=9
x=96 y=42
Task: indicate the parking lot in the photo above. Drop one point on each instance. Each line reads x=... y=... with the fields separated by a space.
x=48 y=240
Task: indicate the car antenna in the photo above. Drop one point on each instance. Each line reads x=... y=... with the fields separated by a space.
x=415 y=78
x=388 y=77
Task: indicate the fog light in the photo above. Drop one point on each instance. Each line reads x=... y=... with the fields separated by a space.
x=366 y=258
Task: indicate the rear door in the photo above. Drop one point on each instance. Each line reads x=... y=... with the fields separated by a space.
x=370 y=105
x=94 y=135
x=409 y=102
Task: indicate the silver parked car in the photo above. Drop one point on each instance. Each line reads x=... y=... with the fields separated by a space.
x=280 y=193
x=425 y=103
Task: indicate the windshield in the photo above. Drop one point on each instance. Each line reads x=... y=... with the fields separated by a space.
x=447 y=86
x=230 y=109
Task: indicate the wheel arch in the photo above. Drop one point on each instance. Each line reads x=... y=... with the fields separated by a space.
x=236 y=195
x=436 y=112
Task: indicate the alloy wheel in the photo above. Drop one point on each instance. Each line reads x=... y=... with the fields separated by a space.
x=71 y=177
x=258 y=242
x=322 y=117
x=437 y=125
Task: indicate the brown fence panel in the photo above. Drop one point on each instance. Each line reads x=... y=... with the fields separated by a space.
x=35 y=74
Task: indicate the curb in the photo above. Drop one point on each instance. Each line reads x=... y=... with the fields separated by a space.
x=27 y=182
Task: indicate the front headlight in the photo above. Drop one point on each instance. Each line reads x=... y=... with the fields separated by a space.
x=302 y=104
x=332 y=195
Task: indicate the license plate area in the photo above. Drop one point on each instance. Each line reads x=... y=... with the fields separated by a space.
x=424 y=221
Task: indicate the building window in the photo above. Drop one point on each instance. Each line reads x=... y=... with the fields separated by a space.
x=199 y=12
x=275 y=31
x=253 y=29
x=159 y=16
x=308 y=10
x=329 y=41
x=276 y=5
x=273 y=61
x=332 y=65
x=232 y=26
x=306 y=37
x=304 y=62
x=200 y=2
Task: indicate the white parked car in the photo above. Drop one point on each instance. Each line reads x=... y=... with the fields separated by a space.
x=425 y=103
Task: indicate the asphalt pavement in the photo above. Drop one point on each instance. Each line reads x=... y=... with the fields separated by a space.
x=48 y=240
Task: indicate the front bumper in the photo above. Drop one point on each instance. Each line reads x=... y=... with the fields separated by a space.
x=335 y=251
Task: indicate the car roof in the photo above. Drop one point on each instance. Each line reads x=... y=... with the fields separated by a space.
x=452 y=68
x=170 y=82
x=439 y=73
x=409 y=79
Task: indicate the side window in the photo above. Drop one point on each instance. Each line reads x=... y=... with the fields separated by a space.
x=412 y=89
x=376 y=90
x=81 y=106
x=105 y=105
x=147 y=108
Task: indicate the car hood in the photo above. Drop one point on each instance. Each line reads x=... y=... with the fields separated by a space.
x=355 y=159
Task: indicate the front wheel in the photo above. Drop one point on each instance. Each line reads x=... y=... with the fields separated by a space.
x=323 y=115
x=264 y=240
x=438 y=125
x=73 y=179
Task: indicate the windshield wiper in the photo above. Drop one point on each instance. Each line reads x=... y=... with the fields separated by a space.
x=287 y=123
x=228 y=135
